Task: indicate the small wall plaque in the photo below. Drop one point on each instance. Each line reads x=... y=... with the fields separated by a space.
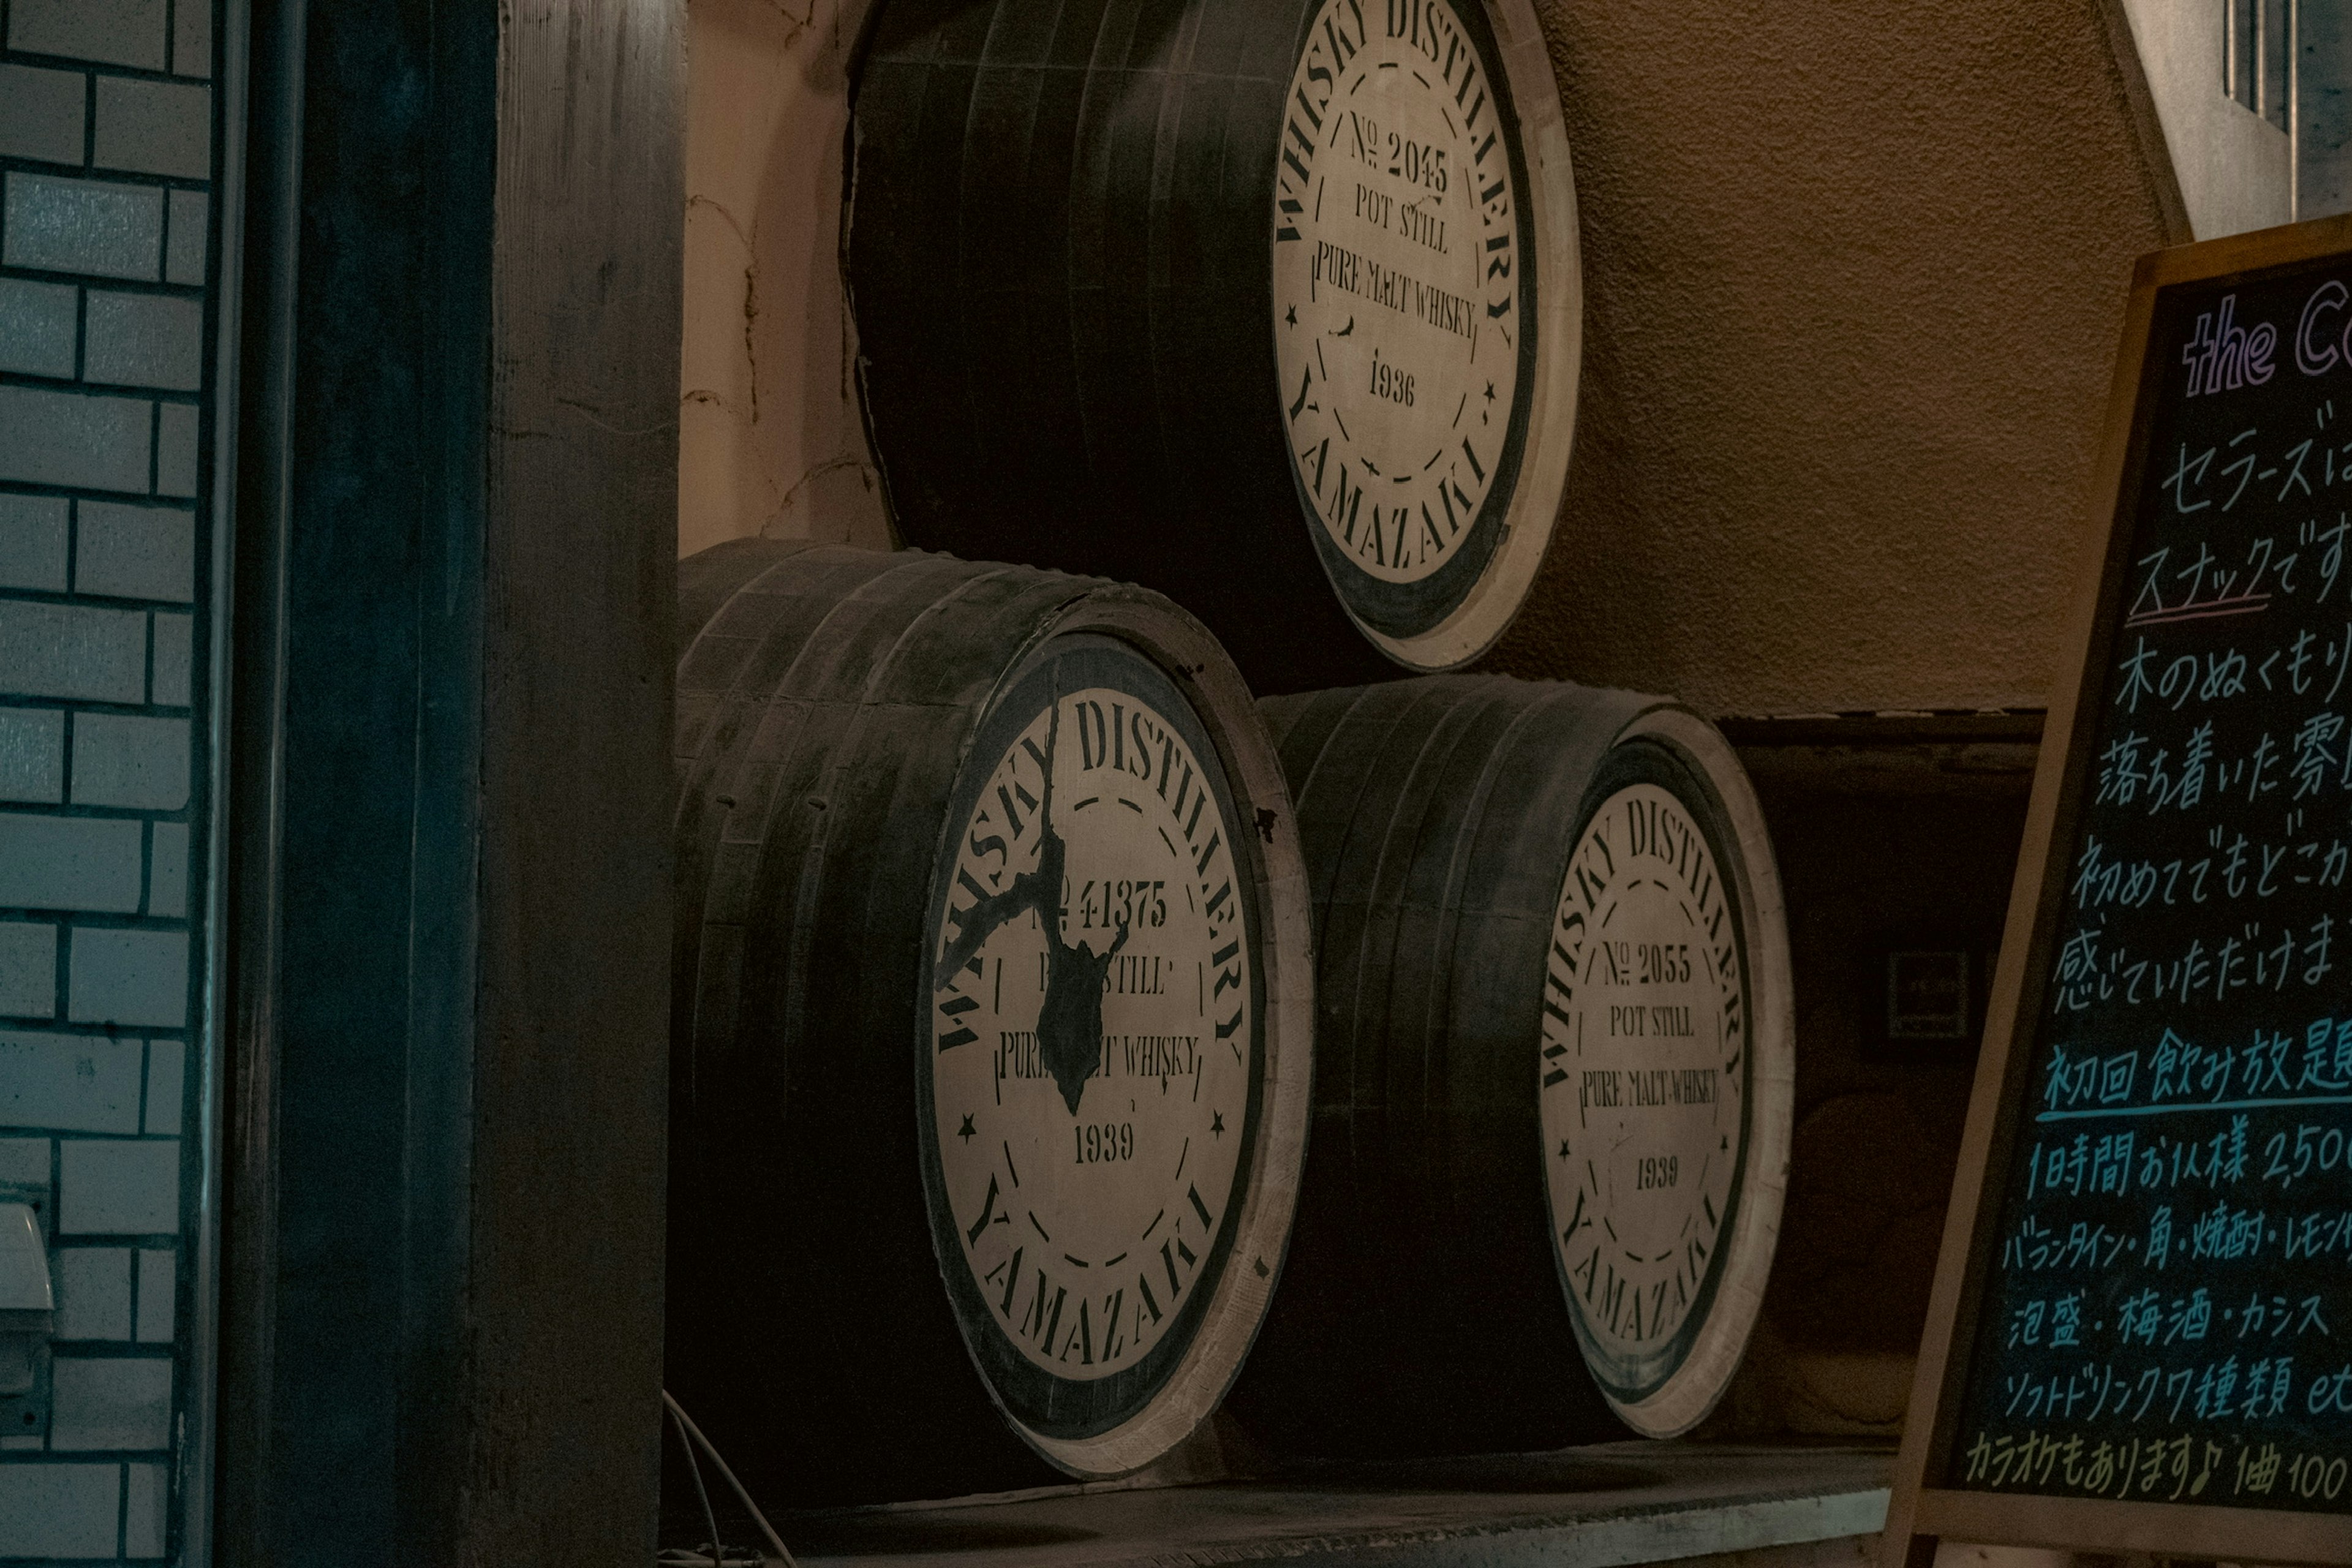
x=1928 y=996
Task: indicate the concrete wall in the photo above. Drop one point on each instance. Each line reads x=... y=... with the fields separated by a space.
x=2236 y=169
x=106 y=228
x=2323 y=111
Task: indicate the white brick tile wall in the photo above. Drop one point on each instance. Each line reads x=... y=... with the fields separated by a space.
x=67 y=438
x=145 y=1507
x=167 y=870
x=192 y=41
x=128 y=976
x=70 y=1083
x=104 y=228
x=176 y=449
x=135 y=552
x=28 y=969
x=111 y=32
x=76 y=651
x=173 y=636
x=70 y=863
x=41 y=113
x=32 y=542
x=105 y=215
x=60 y=1510
x=154 y=127
x=37 y=324
x=114 y=1402
x=32 y=755
x=167 y=1082
x=112 y=1186
x=183 y=249
x=158 y=1294
x=131 y=762
x=25 y=1162
x=93 y=1289
x=144 y=340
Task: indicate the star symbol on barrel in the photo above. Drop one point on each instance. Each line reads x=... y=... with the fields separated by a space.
x=1563 y=1147
x=1290 y=317
x=1490 y=392
x=966 y=1131
x=1217 y=1123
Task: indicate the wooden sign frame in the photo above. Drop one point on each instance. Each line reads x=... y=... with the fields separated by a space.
x=1921 y=1515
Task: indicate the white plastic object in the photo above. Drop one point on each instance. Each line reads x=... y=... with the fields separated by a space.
x=26 y=1298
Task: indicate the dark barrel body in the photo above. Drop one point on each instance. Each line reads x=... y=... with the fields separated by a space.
x=1426 y=1309
x=1057 y=247
x=828 y=704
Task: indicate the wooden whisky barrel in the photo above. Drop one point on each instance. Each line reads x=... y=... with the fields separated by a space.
x=990 y=1020
x=1272 y=305
x=1554 y=1071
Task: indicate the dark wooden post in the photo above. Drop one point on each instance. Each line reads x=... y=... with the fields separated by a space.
x=442 y=1288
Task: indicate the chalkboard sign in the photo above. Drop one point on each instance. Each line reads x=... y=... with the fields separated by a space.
x=2141 y=1336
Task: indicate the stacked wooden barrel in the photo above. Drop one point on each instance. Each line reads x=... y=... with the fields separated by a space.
x=1554 y=1070
x=1003 y=961
x=1272 y=305
x=991 y=1022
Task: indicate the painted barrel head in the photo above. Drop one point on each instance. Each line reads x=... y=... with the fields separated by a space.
x=1645 y=1078
x=1410 y=339
x=1091 y=1068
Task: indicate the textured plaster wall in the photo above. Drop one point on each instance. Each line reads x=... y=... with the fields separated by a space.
x=768 y=438
x=1854 y=280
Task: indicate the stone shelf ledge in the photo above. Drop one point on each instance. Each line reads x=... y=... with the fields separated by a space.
x=1603 y=1506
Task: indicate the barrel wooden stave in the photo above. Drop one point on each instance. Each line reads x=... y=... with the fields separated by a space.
x=709 y=578
x=728 y=680
x=1436 y=1120
x=763 y=837
x=1424 y=1312
x=1056 y=262
x=739 y=1155
x=1056 y=248
x=816 y=764
x=798 y=1206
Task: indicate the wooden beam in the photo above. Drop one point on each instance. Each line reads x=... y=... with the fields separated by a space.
x=443 y=1286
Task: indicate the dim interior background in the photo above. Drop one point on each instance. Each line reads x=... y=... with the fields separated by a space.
x=1854 y=281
